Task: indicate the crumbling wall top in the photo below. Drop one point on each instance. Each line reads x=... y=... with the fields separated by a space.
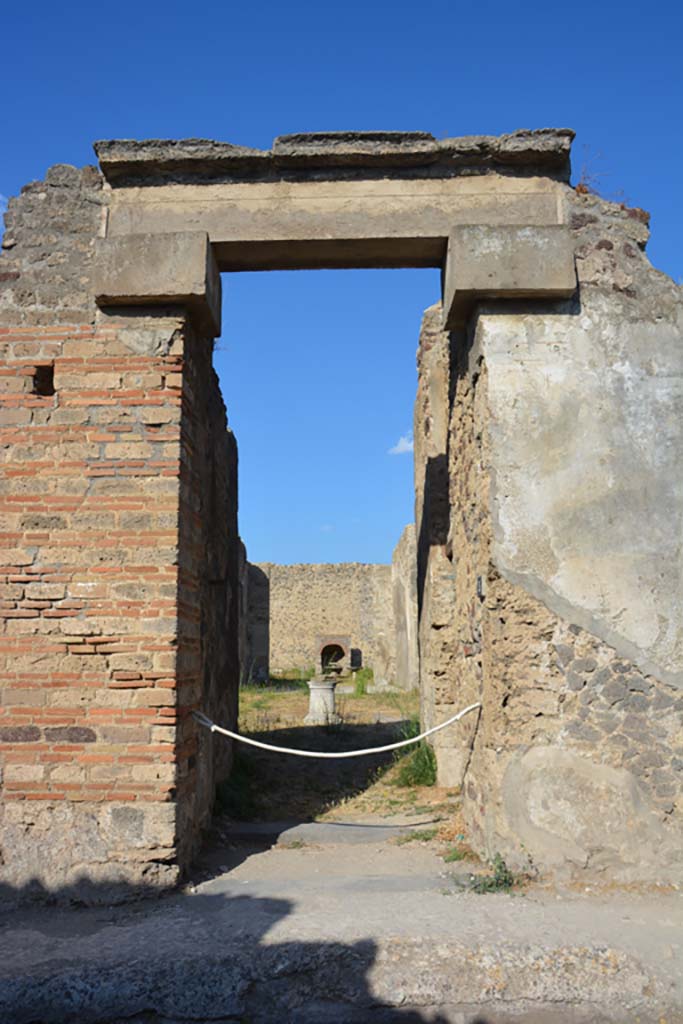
x=542 y=151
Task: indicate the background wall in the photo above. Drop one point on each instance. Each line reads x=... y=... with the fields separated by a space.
x=291 y=605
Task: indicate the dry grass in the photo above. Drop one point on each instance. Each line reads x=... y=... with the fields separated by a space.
x=350 y=790
x=269 y=707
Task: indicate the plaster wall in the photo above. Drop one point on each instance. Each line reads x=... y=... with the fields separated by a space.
x=588 y=495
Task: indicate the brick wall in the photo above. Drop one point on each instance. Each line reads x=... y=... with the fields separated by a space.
x=118 y=566
x=89 y=511
x=210 y=569
x=118 y=555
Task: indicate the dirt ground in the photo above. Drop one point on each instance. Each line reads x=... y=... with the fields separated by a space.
x=288 y=788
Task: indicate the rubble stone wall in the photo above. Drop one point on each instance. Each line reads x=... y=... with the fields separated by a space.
x=256 y=665
x=308 y=600
x=435 y=573
x=564 y=518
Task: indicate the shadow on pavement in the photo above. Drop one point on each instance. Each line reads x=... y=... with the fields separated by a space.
x=184 y=958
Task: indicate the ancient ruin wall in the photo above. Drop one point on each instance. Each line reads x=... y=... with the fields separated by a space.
x=586 y=517
x=404 y=592
x=306 y=600
x=575 y=763
x=256 y=664
x=209 y=566
x=548 y=507
x=435 y=573
x=105 y=597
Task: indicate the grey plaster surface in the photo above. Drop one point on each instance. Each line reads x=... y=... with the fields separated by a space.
x=343 y=930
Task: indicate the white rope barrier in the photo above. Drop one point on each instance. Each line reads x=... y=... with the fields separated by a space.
x=205 y=721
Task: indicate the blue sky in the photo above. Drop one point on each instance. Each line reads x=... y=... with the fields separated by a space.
x=318 y=369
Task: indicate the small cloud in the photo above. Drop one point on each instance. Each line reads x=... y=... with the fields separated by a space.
x=403 y=446
x=327 y=528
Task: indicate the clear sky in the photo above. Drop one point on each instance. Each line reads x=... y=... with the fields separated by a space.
x=318 y=369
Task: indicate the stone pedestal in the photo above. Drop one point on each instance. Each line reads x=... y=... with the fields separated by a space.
x=321 y=710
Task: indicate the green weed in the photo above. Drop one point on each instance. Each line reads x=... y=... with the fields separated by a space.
x=364 y=677
x=453 y=854
x=292 y=678
x=416 y=836
x=418 y=766
x=502 y=879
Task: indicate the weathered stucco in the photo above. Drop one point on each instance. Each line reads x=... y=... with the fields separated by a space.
x=404 y=591
x=588 y=496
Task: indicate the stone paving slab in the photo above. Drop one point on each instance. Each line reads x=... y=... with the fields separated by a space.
x=329 y=832
x=346 y=932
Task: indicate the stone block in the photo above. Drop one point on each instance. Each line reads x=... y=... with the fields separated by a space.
x=505 y=262
x=30 y=697
x=563 y=807
x=24 y=772
x=19 y=734
x=16 y=556
x=364 y=149
x=177 y=268
x=154 y=772
x=45 y=591
x=70 y=734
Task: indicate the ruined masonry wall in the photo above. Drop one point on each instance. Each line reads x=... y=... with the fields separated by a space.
x=575 y=764
x=404 y=592
x=209 y=566
x=103 y=593
x=435 y=574
x=585 y=766
x=307 y=600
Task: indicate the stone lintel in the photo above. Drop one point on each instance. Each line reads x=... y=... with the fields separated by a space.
x=543 y=151
x=177 y=268
x=296 y=225
x=505 y=262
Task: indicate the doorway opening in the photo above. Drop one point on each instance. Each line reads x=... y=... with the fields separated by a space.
x=318 y=376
